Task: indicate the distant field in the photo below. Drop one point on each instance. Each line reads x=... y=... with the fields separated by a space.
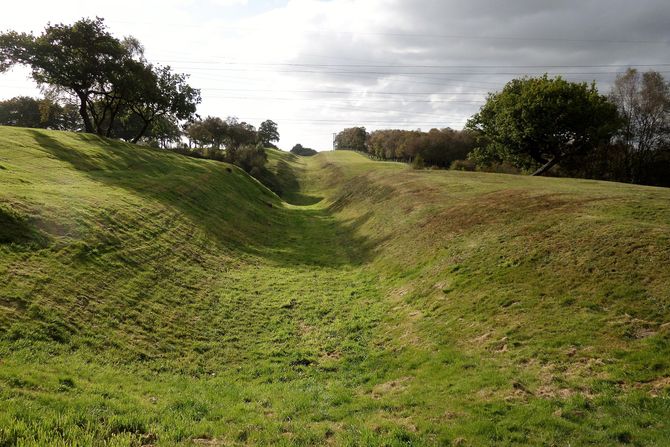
x=148 y=298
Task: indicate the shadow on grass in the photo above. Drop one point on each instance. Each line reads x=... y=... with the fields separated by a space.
x=234 y=211
x=16 y=229
x=286 y=184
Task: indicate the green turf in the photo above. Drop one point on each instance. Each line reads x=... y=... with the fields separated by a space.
x=148 y=298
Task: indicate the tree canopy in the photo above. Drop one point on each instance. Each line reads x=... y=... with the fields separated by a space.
x=437 y=147
x=298 y=149
x=268 y=133
x=108 y=77
x=643 y=100
x=24 y=111
x=353 y=139
x=230 y=140
x=537 y=122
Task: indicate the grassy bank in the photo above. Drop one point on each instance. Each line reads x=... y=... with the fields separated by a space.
x=152 y=299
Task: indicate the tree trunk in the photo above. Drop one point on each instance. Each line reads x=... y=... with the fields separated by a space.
x=547 y=166
x=83 y=111
x=112 y=117
x=141 y=134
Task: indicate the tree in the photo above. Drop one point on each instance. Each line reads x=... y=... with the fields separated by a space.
x=353 y=139
x=238 y=134
x=44 y=113
x=644 y=104
x=165 y=131
x=162 y=94
x=437 y=147
x=268 y=133
x=21 y=111
x=251 y=158
x=418 y=162
x=298 y=149
x=210 y=132
x=215 y=133
x=537 y=122
x=79 y=58
x=109 y=78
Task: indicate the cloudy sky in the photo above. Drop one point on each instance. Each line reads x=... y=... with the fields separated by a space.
x=316 y=67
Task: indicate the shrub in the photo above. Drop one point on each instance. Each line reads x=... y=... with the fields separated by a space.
x=298 y=149
x=463 y=165
x=418 y=163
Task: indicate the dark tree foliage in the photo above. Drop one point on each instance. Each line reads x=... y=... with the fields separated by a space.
x=165 y=132
x=229 y=140
x=352 y=139
x=268 y=133
x=251 y=158
x=437 y=147
x=643 y=100
x=227 y=135
x=81 y=58
x=162 y=95
x=539 y=122
x=210 y=132
x=238 y=133
x=298 y=149
x=24 y=111
x=108 y=77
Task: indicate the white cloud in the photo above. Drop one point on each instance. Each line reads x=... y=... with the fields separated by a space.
x=229 y=2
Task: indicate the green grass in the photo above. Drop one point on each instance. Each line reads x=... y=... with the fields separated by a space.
x=148 y=298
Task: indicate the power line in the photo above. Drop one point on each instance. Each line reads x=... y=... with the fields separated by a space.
x=338 y=92
x=277 y=64
x=423 y=80
x=318 y=120
x=334 y=92
x=269 y=98
x=322 y=31
x=431 y=73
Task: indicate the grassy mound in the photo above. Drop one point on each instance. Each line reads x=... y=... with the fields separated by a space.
x=152 y=299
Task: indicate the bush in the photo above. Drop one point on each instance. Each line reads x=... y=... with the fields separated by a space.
x=463 y=165
x=501 y=168
x=298 y=149
x=251 y=158
x=418 y=163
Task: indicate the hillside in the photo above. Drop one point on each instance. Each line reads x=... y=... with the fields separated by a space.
x=148 y=298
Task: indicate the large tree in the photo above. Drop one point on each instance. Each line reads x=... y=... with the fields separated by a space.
x=643 y=101
x=80 y=58
x=353 y=139
x=238 y=133
x=215 y=133
x=210 y=132
x=162 y=94
x=109 y=77
x=268 y=133
x=537 y=122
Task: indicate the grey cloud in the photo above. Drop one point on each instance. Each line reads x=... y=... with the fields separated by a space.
x=482 y=33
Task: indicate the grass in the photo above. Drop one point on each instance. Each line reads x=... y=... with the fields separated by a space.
x=152 y=299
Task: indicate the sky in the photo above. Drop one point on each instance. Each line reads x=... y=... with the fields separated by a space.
x=316 y=67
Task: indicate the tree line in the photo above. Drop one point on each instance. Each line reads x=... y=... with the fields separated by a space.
x=232 y=141
x=24 y=111
x=544 y=125
x=97 y=83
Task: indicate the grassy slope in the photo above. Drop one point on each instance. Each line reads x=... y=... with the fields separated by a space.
x=148 y=298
